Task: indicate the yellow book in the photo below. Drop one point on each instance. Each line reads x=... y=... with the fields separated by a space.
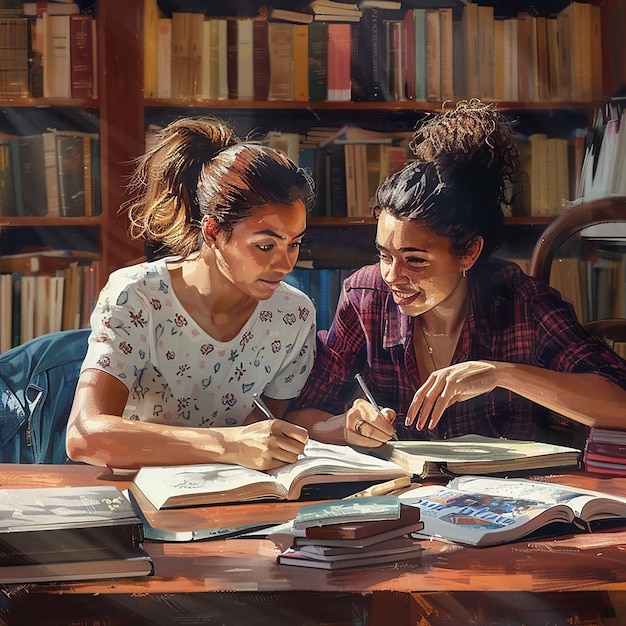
x=150 y=48
x=301 y=62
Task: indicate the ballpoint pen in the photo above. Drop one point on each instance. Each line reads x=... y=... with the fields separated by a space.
x=370 y=398
x=257 y=400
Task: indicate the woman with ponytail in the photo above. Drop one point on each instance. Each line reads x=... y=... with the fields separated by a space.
x=181 y=345
x=449 y=339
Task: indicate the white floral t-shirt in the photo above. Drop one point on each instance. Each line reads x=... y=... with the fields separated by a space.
x=178 y=374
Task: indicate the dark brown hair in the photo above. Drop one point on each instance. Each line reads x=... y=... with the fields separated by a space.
x=465 y=159
x=197 y=166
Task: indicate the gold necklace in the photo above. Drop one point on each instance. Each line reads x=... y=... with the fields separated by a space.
x=429 y=348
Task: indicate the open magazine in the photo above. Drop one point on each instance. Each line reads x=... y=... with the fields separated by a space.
x=483 y=511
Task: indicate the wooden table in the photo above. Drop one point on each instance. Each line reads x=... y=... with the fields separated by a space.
x=571 y=579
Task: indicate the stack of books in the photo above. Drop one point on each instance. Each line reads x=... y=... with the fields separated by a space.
x=353 y=532
x=605 y=451
x=69 y=533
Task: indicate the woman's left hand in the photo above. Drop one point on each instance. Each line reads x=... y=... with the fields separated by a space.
x=449 y=385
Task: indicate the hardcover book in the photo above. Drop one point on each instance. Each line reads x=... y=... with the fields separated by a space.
x=333 y=512
x=408 y=516
x=475 y=454
x=82 y=66
x=69 y=533
x=483 y=511
x=322 y=557
x=216 y=483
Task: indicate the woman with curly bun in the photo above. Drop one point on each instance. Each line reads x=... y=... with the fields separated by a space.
x=449 y=339
x=180 y=345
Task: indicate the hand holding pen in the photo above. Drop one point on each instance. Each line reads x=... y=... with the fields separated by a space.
x=368 y=394
x=256 y=398
x=258 y=401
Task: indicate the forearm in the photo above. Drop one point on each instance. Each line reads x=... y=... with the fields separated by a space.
x=322 y=426
x=586 y=398
x=112 y=441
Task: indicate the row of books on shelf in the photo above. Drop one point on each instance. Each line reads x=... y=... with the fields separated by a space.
x=36 y=304
x=596 y=286
x=604 y=166
x=52 y=174
x=48 y=53
x=397 y=54
x=348 y=164
x=323 y=286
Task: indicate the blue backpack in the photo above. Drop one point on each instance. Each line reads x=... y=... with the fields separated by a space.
x=37 y=384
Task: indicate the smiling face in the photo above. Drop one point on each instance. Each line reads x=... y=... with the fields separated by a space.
x=419 y=266
x=262 y=249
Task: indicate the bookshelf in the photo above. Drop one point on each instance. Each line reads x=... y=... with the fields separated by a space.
x=123 y=110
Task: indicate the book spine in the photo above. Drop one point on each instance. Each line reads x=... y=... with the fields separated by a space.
x=82 y=67
x=56 y=58
x=433 y=55
x=301 y=62
x=318 y=61
x=70 y=163
x=164 y=58
x=260 y=60
x=280 y=43
x=14 y=57
x=7 y=180
x=150 y=48
x=32 y=172
x=339 y=61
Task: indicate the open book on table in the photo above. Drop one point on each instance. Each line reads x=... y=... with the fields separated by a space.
x=475 y=454
x=483 y=511
x=216 y=483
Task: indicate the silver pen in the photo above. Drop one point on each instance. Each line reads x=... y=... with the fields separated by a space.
x=370 y=398
x=257 y=400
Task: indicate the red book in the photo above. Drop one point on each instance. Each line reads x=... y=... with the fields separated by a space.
x=339 y=65
x=81 y=56
x=260 y=60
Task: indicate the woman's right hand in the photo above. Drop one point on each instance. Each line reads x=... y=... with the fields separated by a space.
x=366 y=427
x=267 y=444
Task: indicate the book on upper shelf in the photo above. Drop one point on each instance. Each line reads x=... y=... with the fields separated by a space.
x=483 y=511
x=14 y=56
x=82 y=56
x=322 y=467
x=37 y=9
x=475 y=454
x=57 y=82
x=69 y=533
x=286 y=15
x=324 y=557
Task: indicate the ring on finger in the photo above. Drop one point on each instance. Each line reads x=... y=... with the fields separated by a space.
x=358 y=426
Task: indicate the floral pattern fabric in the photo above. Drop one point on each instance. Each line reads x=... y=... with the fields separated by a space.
x=178 y=374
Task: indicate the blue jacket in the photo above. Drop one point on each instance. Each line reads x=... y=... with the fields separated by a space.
x=37 y=384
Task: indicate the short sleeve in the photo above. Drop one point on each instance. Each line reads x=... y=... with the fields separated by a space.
x=119 y=342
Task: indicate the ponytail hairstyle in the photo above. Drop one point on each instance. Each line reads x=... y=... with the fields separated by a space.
x=198 y=167
x=465 y=160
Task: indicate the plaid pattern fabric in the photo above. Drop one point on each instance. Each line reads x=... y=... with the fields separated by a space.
x=512 y=317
